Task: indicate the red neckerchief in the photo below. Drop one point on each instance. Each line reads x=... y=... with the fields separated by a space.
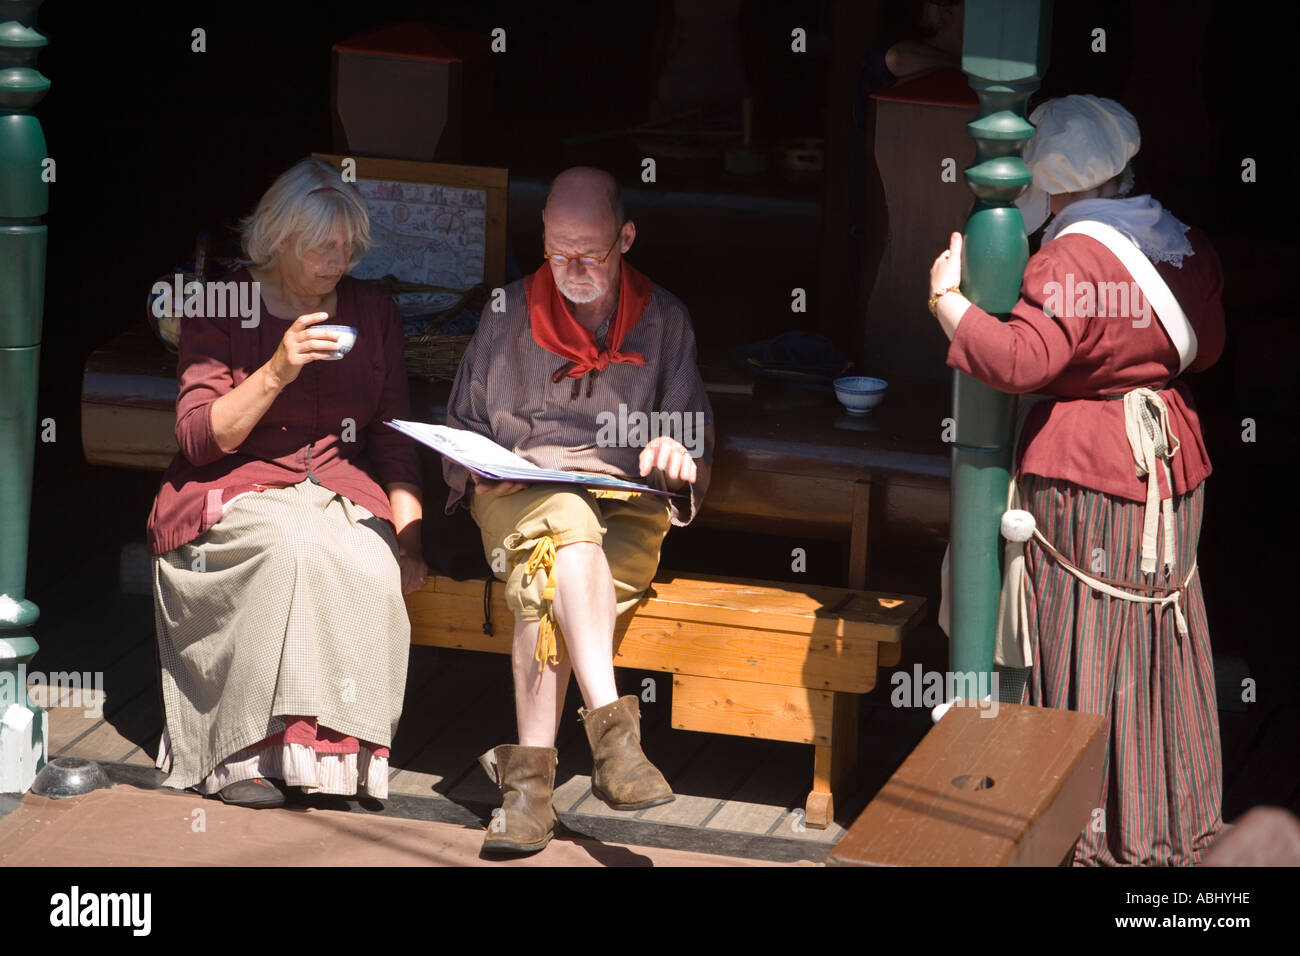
x=556 y=330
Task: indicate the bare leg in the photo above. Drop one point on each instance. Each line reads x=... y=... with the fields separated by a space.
x=539 y=698
x=585 y=608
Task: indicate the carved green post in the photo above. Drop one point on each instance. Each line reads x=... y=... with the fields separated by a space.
x=1005 y=47
x=24 y=199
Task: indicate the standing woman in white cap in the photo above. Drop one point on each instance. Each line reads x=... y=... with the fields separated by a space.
x=1102 y=600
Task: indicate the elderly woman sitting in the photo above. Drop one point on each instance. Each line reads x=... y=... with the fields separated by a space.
x=288 y=528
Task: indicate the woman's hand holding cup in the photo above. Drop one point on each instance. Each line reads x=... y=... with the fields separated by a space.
x=301 y=345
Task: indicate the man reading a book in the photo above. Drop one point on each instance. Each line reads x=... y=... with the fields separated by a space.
x=584 y=337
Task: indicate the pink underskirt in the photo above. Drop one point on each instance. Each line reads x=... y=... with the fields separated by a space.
x=306 y=755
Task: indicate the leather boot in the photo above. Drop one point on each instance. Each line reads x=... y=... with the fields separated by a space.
x=621 y=774
x=526 y=775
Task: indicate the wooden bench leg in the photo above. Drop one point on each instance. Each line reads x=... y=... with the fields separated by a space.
x=832 y=762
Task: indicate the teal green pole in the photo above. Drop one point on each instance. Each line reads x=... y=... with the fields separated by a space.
x=24 y=199
x=1005 y=47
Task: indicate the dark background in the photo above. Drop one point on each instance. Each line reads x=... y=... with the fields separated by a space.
x=153 y=142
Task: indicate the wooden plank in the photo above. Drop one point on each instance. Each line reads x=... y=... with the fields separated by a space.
x=772 y=790
x=741 y=494
x=741 y=603
x=712 y=650
x=143 y=756
x=1014 y=789
x=858 y=535
x=414 y=171
x=128 y=437
x=570 y=791
x=703 y=787
x=451 y=758
x=108 y=740
x=573 y=774
x=124 y=679
x=746 y=709
x=742 y=817
x=685 y=647
x=468 y=705
x=437 y=684
x=799 y=609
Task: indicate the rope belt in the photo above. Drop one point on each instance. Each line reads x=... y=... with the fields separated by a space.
x=549 y=639
x=1107 y=586
x=1146 y=424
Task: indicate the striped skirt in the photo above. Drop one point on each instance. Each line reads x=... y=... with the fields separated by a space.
x=1162 y=783
x=283 y=641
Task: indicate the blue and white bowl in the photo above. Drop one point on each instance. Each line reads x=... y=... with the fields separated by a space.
x=347 y=338
x=859 y=394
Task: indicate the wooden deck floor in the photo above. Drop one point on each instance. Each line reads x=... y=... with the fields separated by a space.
x=734 y=795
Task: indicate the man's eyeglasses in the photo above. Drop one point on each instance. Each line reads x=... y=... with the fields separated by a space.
x=560 y=260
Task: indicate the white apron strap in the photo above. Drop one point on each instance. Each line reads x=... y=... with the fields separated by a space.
x=1155 y=289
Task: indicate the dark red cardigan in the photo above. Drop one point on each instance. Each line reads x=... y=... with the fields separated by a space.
x=327 y=422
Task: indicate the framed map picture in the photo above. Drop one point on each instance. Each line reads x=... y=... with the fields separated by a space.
x=432 y=224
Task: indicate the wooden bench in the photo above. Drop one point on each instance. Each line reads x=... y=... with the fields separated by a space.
x=1015 y=788
x=748 y=658
x=753 y=658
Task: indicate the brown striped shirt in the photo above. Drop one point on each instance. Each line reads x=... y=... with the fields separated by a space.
x=504 y=391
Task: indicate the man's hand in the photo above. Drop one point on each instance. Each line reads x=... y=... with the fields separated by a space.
x=670 y=457
x=496 y=489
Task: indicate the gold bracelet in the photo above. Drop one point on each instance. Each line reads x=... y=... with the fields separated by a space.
x=936 y=296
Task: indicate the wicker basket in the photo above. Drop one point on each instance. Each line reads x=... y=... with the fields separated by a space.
x=435 y=357
x=427 y=354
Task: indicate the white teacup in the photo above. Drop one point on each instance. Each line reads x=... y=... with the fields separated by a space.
x=347 y=338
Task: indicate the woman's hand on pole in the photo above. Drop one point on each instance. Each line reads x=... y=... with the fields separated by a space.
x=945 y=275
x=946 y=271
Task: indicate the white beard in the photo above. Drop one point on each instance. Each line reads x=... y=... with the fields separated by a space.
x=579 y=294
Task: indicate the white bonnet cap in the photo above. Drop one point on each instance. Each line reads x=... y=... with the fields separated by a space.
x=1082 y=141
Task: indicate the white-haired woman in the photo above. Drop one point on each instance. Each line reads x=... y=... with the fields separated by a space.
x=1120 y=300
x=287 y=529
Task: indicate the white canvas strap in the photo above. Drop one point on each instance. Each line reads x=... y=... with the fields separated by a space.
x=1158 y=295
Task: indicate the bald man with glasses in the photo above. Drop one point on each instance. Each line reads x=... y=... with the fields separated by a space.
x=584 y=340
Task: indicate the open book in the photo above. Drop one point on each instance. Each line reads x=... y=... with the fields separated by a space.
x=485 y=457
